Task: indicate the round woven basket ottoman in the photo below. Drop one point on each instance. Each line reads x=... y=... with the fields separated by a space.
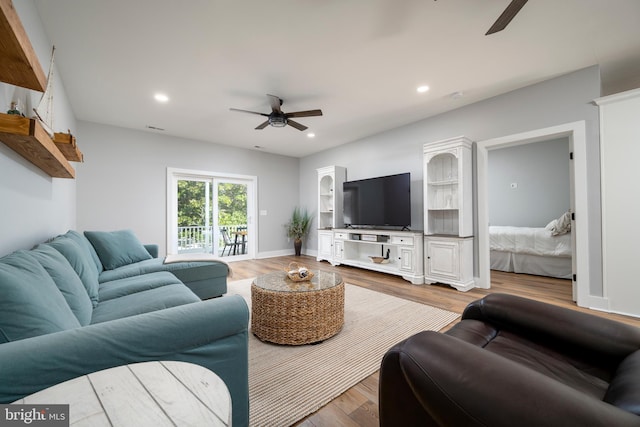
x=295 y=313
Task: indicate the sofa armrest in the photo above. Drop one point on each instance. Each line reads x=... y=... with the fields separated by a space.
x=152 y=249
x=189 y=333
x=450 y=382
x=568 y=329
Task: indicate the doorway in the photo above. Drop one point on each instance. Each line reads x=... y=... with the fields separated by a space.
x=530 y=186
x=211 y=213
x=576 y=133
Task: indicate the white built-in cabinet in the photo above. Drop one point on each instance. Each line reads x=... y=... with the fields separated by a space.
x=448 y=213
x=619 y=156
x=402 y=249
x=330 y=180
x=447 y=261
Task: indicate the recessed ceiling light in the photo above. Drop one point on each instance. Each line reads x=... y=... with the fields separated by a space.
x=311 y=135
x=161 y=97
x=422 y=89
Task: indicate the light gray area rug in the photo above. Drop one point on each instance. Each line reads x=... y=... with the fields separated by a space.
x=287 y=383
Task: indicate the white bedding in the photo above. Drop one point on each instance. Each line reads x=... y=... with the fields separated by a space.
x=551 y=266
x=528 y=240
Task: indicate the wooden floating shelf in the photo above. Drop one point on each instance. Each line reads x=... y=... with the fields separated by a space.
x=19 y=65
x=29 y=139
x=67 y=144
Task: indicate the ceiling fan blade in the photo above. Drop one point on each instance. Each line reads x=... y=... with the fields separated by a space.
x=509 y=13
x=308 y=113
x=262 y=125
x=296 y=125
x=250 y=112
x=275 y=103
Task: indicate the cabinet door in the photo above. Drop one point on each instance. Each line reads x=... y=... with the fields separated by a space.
x=406 y=259
x=325 y=243
x=443 y=259
x=338 y=249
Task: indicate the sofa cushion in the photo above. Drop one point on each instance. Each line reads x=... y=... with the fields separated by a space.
x=85 y=244
x=117 y=248
x=624 y=389
x=67 y=280
x=81 y=262
x=131 y=285
x=190 y=271
x=143 y=302
x=206 y=279
x=31 y=304
x=549 y=362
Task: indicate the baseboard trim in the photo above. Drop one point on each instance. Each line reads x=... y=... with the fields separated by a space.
x=273 y=254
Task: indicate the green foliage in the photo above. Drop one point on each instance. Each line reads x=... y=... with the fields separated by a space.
x=191 y=203
x=299 y=224
x=232 y=203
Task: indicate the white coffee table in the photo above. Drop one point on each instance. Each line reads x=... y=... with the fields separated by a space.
x=150 y=394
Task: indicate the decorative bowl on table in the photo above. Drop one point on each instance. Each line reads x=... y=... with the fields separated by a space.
x=298 y=273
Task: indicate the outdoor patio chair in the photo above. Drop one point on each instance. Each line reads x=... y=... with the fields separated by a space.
x=228 y=243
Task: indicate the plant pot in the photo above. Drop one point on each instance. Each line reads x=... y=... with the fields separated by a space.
x=297 y=245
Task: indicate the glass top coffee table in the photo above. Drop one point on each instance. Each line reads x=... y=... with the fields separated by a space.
x=295 y=313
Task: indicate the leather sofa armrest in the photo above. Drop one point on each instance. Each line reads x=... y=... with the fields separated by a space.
x=568 y=329
x=152 y=249
x=457 y=383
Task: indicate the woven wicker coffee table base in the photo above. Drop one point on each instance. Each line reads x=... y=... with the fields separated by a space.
x=297 y=318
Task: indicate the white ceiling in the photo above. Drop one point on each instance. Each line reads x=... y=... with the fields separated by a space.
x=360 y=61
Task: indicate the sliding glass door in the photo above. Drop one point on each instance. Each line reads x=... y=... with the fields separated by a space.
x=195 y=215
x=211 y=213
x=231 y=213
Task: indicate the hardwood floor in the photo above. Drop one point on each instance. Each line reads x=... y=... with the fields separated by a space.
x=358 y=406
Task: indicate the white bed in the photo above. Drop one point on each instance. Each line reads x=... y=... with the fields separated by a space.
x=531 y=251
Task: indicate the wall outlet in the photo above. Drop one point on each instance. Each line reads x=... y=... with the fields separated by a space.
x=263 y=212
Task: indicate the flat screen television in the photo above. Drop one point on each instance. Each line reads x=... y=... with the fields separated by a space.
x=383 y=201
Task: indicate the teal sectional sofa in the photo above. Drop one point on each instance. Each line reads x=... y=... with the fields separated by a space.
x=86 y=302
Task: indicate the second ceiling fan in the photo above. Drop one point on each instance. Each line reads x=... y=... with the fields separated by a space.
x=278 y=118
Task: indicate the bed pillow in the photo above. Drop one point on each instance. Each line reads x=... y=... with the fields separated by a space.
x=117 y=248
x=561 y=225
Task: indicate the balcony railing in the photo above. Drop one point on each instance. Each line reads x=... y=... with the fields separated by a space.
x=198 y=239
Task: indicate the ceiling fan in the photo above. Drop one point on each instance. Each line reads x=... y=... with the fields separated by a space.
x=278 y=118
x=509 y=13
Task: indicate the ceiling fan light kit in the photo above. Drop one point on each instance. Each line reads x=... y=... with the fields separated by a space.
x=277 y=118
x=278 y=121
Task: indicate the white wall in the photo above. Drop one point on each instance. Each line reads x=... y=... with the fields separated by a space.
x=122 y=183
x=621 y=231
x=564 y=99
x=540 y=172
x=34 y=205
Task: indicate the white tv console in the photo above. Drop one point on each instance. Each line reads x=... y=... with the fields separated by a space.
x=354 y=247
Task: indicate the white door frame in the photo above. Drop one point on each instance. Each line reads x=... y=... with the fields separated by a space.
x=576 y=132
x=252 y=202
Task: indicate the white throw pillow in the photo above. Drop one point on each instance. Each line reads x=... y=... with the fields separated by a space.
x=561 y=225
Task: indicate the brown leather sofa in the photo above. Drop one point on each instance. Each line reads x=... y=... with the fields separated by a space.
x=511 y=361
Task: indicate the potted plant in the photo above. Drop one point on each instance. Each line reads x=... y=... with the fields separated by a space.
x=298 y=227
